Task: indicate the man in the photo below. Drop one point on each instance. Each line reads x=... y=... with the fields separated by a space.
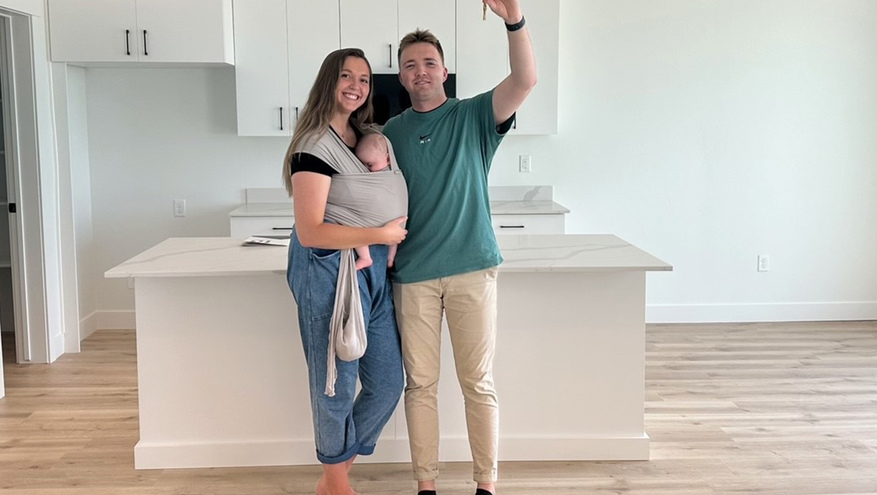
x=449 y=261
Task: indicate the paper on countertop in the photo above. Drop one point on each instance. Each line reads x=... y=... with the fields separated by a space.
x=266 y=241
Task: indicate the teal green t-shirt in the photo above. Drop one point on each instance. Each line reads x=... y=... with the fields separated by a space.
x=445 y=155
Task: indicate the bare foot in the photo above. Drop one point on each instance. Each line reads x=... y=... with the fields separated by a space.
x=363 y=263
x=335 y=481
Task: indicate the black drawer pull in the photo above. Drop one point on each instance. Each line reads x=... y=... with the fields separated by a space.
x=281 y=228
x=511 y=226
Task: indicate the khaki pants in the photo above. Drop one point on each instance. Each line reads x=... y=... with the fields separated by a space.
x=469 y=302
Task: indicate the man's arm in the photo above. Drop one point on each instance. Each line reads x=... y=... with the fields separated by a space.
x=513 y=90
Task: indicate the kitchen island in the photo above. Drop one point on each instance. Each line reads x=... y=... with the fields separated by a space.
x=222 y=379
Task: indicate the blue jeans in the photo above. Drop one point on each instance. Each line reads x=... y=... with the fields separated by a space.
x=347 y=424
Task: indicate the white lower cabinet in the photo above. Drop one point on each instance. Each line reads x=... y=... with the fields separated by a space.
x=528 y=224
x=243 y=227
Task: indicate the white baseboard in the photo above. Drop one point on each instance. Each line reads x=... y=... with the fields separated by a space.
x=88 y=325
x=301 y=452
x=115 y=320
x=747 y=313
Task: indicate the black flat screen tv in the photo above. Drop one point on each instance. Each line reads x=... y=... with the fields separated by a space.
x=390 y=98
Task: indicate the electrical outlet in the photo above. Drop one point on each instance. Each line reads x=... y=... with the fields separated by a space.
x=179 y=207
x=524 y=164
x=763 y=263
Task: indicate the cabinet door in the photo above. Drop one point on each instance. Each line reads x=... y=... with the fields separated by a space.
x=482 y=50
x=93 y=30
x=482 y=60
x=439 y=16
x=313 y=32
x=261 y=73
x=538 y=113
x=195 y=31
x=372 y=26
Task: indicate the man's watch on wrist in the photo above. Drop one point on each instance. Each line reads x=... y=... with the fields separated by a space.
x=516 y=26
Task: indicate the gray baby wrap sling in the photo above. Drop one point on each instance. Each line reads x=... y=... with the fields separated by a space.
x=357 y=198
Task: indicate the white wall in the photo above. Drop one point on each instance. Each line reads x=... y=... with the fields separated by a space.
x=705 y=132
x=81 y=195
x=160 y=134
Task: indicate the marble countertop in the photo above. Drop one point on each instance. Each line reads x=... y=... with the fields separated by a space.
x=224 y=256
x=526 y=208
x=518 y=207
x=263 y=210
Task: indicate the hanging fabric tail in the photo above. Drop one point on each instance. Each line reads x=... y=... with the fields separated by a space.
x=347 y=332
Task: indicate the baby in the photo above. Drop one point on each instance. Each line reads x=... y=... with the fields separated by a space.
x=372 y=151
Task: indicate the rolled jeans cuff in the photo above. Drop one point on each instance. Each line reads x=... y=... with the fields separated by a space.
x=346 y=456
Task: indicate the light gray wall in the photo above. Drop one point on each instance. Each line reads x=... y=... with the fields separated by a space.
x=705 y=132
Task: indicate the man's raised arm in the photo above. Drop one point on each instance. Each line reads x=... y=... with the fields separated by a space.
x=513 y=90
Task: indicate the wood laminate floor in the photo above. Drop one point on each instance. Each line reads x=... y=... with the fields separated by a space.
x=731 y=409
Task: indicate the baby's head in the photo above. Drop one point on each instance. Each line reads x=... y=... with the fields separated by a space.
x=372 y=151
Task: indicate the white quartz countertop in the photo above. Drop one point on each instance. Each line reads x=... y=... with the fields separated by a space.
x=526 y=208
x=540 y=207
x=263 y=210
x=224 y=256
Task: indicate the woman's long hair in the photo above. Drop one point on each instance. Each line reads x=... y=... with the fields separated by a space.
x=314 y=119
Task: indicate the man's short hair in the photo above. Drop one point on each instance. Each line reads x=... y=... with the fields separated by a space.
x=420 y=36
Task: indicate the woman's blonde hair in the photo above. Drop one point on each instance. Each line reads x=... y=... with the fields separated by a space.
x=317 y=113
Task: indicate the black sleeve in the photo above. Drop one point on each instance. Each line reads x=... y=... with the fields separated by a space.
x=507 y=125
x=306 y=162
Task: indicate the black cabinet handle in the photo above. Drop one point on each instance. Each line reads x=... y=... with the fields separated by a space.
x=511 y=226
x=391 y=55
x=128 y=42
x=145 y=44
x=281 y=228
x=281 y=118
x=296 y=114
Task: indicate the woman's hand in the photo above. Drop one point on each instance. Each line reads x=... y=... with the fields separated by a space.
x=509 y=10
x=394 y=231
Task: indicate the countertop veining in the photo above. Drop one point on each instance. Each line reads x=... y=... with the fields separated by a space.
x=223 y=256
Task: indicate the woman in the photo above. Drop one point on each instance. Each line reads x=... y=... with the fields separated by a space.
x=338 y=109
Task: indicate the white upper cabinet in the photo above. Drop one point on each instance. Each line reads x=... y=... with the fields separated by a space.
x=439 y=17
x=372 y=26
x=313 y=33
x=166 y=31
x=482 y=59
x=93 y=30
x=376 y=26
x=279 y=47
x=261 y=67
x=197 y=31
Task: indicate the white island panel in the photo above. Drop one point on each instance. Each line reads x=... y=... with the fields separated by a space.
x=223 y=381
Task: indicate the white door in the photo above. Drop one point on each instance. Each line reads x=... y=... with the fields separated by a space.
x=439 y=17
x=372 y=26
x=93 y=30
x=314 y=32
x=261 y=67
x=190 y=31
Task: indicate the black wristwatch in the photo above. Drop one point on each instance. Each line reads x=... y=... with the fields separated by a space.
x=517 y=25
